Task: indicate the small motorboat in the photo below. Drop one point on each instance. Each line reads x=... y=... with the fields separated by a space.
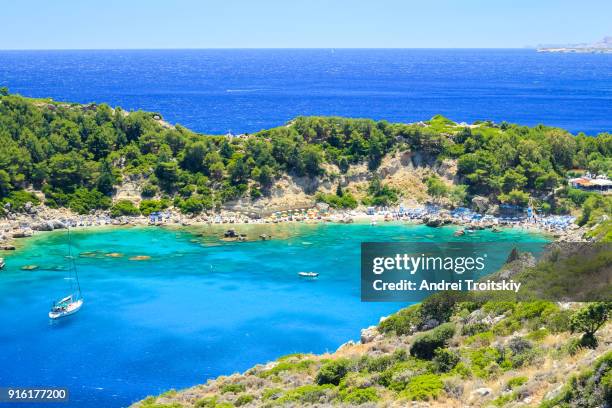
x=2 y=263
x=66 y=306
x=308 y=274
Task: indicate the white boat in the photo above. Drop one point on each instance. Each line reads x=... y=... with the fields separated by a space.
x=65 y=307
x=72 y=303
x=308 y=274
x=2 y=263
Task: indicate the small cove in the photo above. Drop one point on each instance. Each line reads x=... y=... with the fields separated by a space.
x=198 y=308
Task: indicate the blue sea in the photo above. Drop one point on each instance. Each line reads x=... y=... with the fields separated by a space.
x=197 y=309
x=216 y=91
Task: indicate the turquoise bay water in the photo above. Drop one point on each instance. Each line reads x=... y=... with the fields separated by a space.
x=197 y=309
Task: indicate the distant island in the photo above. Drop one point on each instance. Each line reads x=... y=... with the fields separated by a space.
x=601 y=47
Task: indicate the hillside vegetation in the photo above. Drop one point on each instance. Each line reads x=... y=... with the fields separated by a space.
x=78 y=155
x=485 y=354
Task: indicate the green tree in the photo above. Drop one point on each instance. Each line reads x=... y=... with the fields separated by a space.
x=513 y=179
x=193 y=159
x=515 y=197
x=5 y=184
x=83 y=201
x=266 y=177
x=167 y=172
x=191 y=205
x=216 y=170
x=67 y=171
x=312 y=160
x=343 y=164
x=238 y=170
x=332 y=372
x=107 y=178
x=436 y=187
x=589 y=319
x=124 y=207
x=458 y=194
x=102 y=141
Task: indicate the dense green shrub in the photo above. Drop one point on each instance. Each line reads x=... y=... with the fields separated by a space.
x=423 y=387
x=271 y=393
x=306 y=394
x=522 y=352
x=284 y=365
x=149 y=206
x=516 y=382
x=332 y=372
x=381 y=363
x=84 y=201
x=534 y=314
x=538 y=334
x=243 y=400
x=18 y=199
x=594 y=209
x=441 y=306
x=445 y=360
x=484 y=361
x=380 y=194
x=233 y=388
x=480 y=339
x=403 y=322
x=474 y=328
x=149 y=190
x=345 y=201
x=426 y=344
x=396 y=376
x=192 y=205
x=560 y=321
x=211 y=402
x=124 y=207
x=358 y=396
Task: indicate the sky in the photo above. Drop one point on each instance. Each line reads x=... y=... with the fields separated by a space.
x=114 y=24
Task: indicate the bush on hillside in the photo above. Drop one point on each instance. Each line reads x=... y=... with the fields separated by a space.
x=426 y=344
x=403 y=322
x=445 y=360
x=332 y=372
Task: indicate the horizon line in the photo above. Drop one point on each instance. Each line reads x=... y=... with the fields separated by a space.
x=269 y=48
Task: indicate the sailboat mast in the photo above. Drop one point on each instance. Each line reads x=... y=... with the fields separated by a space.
x=76 y=275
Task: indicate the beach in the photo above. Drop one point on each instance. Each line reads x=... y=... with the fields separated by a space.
x=40 y=219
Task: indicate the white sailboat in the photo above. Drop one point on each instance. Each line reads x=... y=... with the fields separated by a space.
x=65 y=307
x=74 y=301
